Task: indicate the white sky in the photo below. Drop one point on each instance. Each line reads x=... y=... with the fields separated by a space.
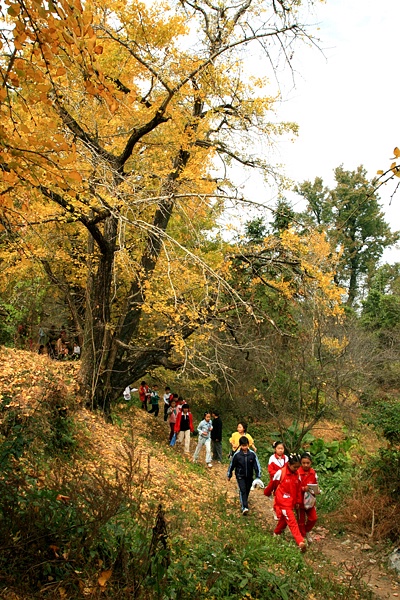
x=347 y=102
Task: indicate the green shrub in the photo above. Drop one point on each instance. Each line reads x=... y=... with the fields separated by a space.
x=385 y=418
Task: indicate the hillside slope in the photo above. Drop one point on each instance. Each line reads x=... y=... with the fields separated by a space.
x=154 y=525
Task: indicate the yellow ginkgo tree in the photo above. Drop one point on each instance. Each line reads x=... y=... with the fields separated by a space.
x=120 y=123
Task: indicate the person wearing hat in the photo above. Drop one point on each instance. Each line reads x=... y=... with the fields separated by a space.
x=183 y=427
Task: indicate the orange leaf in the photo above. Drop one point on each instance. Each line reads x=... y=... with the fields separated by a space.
x=75 y=176
x=62 y=498
x=396 y=152
x=104 y=577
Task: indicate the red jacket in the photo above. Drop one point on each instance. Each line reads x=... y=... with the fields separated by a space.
x=178 y=422
x=287 y=487
x=143 y=392
x=307 y=477
x=276 y=463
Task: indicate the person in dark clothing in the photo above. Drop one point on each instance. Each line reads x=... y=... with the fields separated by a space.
x=216 y=437
x=244 y=462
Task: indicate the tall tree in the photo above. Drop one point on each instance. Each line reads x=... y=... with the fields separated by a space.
x=353 y=217
x=113 y=116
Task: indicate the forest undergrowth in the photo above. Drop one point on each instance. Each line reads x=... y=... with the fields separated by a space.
x=94 y=510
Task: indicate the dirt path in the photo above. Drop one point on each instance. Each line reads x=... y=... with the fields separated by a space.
x=353 y=558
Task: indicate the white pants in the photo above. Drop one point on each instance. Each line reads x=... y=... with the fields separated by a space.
x=203 y=442
x=184 y=436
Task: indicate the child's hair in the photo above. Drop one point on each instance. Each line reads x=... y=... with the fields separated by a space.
x=206 y=413
x=176 y=397
x=306 y=455
x=294 y=458
x=185 y=406
x=167 y=389
x=244 y=424
x=143 y=383
x=180 y=398
x=216 y=413
x=277 y=443
x=243 y=441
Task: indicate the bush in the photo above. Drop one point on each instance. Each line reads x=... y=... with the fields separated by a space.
x=385 y=417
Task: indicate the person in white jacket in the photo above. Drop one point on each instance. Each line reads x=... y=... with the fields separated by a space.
x=204 y=428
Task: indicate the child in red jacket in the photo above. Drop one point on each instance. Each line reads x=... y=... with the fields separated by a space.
x=287 y=487
x=184 y=427
x=277 y=460
x=307 y=516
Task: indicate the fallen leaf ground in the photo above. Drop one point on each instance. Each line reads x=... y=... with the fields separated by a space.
x=24 y=382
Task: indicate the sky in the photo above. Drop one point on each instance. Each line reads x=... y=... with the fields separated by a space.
x=346 y=100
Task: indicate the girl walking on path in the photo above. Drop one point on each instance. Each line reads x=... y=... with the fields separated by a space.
x=172 y=414
x=307 y=511
x=184 y=426
x=235 y=437
x=204 y=428
x=287 y=487
x=245 y=463
x=144 y=394
x=277 y=460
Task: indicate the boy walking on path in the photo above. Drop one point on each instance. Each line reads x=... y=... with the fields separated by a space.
x=216 y=437
x=204 y=429
x=183 y=427
x=154 y=398
x=244 y=462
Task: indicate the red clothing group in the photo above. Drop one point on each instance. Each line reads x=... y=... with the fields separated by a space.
x=288 y=496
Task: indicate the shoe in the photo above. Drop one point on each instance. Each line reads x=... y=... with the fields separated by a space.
x=245 y=511
x=309 y=538
x=303 y=547
x=275 y=517
x=209 y=465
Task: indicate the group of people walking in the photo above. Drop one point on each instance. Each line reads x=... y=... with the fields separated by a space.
x=293 y=482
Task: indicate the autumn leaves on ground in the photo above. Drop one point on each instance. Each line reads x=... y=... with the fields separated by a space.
x=97 y=510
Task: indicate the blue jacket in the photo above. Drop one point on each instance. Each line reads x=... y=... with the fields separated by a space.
x=204 y=427
x=244 y=464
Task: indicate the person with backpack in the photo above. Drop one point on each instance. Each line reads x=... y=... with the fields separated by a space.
x=309 y=489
